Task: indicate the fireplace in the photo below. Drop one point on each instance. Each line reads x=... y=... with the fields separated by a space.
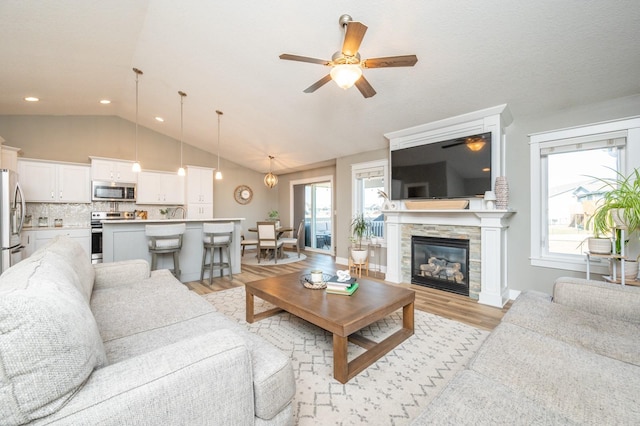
x=441 y=263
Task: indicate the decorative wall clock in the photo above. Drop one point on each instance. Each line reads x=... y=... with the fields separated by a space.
x=243 y=194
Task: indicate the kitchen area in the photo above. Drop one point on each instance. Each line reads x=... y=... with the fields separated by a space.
x=105 y=206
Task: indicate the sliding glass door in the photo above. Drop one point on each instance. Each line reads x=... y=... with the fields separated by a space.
x=313 y=203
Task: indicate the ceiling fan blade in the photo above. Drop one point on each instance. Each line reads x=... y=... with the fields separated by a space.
x=318 y=84
x=453 y=144
x=289 y=57
x=353 y=37
x=390 y=61
x=364 y=87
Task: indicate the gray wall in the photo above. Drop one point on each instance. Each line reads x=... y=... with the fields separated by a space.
x=75 y=138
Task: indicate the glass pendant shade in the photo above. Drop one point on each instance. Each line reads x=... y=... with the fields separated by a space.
x=136 y=167
x=270 y=180
x=218 y=175
x=345 y=75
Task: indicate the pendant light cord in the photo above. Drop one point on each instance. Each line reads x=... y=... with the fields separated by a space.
x=182 y=96
x=219 y=114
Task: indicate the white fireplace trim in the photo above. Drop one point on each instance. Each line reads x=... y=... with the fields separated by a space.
x=493 y=224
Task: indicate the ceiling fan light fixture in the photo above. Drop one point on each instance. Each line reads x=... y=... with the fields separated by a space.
x=475 y=144
x=346 y=75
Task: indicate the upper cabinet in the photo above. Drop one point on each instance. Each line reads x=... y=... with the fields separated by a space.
x=199 y=187
x=10 y=158
x=160 y=188
x=49 y=182
x=112 y=170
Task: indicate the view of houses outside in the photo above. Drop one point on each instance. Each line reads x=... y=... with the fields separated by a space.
x=574 y=192
x=372 y=202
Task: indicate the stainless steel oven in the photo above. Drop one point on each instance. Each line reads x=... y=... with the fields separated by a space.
x=96 y=230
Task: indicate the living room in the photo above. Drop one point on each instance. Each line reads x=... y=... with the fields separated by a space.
x=555 y=66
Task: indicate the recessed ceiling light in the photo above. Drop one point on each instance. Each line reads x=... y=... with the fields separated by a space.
x=160 y=119
x=486 y=169
x=105 y=101
x=31 y=99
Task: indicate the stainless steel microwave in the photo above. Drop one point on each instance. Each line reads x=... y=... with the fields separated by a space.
x=113 y=191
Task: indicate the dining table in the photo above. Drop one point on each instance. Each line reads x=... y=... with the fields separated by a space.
x=279 y=231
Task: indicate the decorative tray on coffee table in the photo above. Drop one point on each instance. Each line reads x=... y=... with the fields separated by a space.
x=305 y=280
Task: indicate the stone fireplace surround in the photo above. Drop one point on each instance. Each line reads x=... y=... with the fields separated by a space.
x=486 y=230
x=488 y=256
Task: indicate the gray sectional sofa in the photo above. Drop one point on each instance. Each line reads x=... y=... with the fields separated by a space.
x=114 y=344
x=573 y=358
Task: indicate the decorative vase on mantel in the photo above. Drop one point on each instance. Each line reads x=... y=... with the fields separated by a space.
x=502 y=193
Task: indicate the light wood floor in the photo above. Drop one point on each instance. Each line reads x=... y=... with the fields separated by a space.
x=445 y=304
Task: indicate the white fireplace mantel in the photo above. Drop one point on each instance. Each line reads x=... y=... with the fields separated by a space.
x=493 y=225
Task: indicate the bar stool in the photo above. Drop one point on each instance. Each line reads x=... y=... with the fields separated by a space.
x=216 y=236
x=165 y=239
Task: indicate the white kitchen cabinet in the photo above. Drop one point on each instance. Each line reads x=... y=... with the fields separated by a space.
x=28 y=240
x=199 y=211
x=160 y=188
x=10 y=158
x=112 y=170
x=199 y=189
x=34 y=239
x=49 y=182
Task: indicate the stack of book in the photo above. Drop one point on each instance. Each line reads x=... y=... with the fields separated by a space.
x=347 y=288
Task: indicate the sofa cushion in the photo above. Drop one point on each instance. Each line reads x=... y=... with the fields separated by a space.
x=599 y=298
x=77 y=259
x=585 y=387
x=470 y=398
x=49 y=340
x=177 y=314
x=605 y=336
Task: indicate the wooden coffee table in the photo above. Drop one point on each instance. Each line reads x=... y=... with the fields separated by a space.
x=341 y=315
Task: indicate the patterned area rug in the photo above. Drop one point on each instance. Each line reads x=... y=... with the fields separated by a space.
x=392 y=391
x=250 y=258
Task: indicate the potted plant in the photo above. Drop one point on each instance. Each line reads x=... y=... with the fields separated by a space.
x=620 y=204
x=359 y=229
x=619 y=209
x=274 y=215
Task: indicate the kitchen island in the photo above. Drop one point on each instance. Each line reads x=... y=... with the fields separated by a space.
x=126 y=240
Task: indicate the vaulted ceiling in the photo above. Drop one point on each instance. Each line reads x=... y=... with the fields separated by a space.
x=535 y=56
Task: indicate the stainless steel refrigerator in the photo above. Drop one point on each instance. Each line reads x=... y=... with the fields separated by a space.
x=12 y=210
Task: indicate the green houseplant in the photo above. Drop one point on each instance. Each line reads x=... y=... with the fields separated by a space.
x=619 y=209
x=620 y=205
x=360 y=227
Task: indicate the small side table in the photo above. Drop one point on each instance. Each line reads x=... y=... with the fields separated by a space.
x=374 y=252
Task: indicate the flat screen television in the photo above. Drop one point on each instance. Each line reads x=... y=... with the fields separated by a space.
x=457 y=168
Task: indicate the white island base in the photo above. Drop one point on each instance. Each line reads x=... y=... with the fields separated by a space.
x=126 y=240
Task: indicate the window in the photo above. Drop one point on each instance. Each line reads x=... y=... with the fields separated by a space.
x=566 y=166
x=368 y=180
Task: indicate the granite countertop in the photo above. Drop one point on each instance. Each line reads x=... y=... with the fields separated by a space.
x=215 y=219
x=60 y=228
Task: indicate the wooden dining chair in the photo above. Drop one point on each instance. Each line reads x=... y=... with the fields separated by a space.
x=297 y=240
x=268 y=240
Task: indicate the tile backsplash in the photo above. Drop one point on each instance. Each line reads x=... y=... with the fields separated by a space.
x=80 y=214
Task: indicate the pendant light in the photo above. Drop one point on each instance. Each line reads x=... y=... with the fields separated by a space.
x=218 y=171
x=136 y=165
x=270 y=179
x=182 y=96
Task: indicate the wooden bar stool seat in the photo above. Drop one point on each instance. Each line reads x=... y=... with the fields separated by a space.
x=216 y=236
x=165 y=239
